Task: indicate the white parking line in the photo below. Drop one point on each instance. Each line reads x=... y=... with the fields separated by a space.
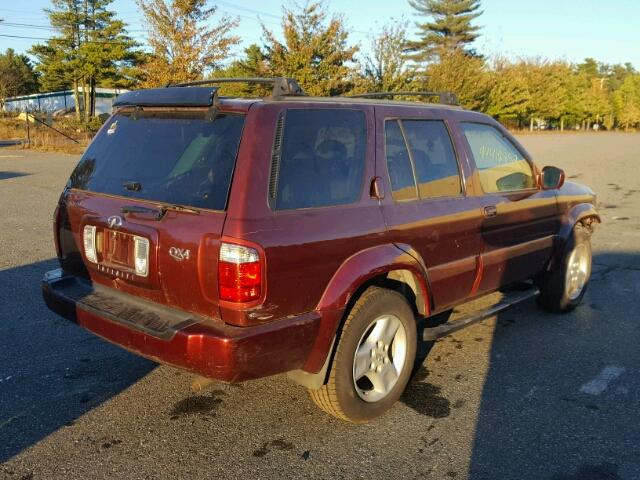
x=602 y=380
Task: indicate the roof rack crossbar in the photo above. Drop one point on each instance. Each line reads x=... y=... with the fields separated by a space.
x=281 y=85
x=446 y=98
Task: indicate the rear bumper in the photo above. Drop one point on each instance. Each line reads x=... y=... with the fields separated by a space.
x=204 y=346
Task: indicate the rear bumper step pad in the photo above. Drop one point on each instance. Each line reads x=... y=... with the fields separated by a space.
x=207 y=347
x=148 y=317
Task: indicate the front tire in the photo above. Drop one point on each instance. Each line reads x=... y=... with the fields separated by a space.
x=562 y=290
x=373 y=360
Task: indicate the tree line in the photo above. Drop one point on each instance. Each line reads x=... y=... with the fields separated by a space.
x=188 y=40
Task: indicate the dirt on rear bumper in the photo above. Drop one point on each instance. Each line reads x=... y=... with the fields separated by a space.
x=201 y=345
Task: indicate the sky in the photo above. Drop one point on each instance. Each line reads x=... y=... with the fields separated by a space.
x=571 y=30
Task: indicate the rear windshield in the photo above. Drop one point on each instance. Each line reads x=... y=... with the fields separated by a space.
x=180 y=158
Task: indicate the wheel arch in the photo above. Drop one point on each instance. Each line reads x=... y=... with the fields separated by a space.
x=394 y=263
x=388 y=266
x=582 y=213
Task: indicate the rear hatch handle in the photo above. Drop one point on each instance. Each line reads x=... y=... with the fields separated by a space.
x=157 y=214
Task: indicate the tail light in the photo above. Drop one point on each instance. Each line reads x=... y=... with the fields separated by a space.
x=141 y=255
x=89 y=241
x=239 y=273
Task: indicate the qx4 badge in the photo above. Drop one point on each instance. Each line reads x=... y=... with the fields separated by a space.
x=179 y=253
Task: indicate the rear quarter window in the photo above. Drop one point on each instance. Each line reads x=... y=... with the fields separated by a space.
x=321 y=162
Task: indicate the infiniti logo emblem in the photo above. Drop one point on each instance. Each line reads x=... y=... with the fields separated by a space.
x=114 y=221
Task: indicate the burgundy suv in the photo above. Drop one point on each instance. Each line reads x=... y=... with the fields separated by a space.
x=240 y=238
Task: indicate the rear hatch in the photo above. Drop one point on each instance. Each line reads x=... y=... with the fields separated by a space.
x=146 y=204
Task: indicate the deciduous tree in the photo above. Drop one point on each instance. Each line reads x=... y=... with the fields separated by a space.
x=627 y=102
x=509 y=93
x=463 y=75
x=315 y=50
x=17 y=76
x=186 y=43
x=385 y=68
x=546 y=90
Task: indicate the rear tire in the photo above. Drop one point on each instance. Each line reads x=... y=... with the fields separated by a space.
x=373 y=360
x=562 y=290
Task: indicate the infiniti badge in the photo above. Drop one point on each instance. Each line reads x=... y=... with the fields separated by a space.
x=114 y=221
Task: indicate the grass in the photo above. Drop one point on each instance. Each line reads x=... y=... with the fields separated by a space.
x=44 y=138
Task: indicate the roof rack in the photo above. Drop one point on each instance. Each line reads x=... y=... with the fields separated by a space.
x=281 y=85
x=446 y=98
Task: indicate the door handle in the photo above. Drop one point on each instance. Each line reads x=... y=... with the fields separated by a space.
x=377 y=188
x=490 y=211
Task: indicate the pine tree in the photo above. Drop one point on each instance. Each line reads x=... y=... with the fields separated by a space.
x=315 y=50
x=253 y=64
x=90 y=46
x=185 y=43
x=58 y=60
x=450 y=27
x=108 y=53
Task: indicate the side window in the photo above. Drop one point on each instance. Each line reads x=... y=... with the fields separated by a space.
x=435 y=161
x=501 y=167
x=428 y=161
x=322 y=158
x=403 y=184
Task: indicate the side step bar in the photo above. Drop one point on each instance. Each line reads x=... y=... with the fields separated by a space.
x=509 y=299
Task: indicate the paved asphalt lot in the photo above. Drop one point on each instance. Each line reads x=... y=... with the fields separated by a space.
x=527 y=395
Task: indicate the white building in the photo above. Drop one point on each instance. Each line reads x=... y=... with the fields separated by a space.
x=53 y=101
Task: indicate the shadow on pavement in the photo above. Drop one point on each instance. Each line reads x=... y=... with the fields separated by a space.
x=536 y=419
x=533 y=420
x=51 y=371
x=8 y=175
x=10 y=143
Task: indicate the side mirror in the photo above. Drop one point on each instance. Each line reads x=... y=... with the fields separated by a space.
x=551 y=178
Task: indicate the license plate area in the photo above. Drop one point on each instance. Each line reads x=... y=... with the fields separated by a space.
x=116 y=250
x=122 y=253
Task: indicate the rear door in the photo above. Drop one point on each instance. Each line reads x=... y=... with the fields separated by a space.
x=306 y=201
x=519 y=219
x=427 y=206
x=147 y=202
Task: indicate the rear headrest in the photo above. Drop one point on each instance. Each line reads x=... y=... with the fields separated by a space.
x=333 y=148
